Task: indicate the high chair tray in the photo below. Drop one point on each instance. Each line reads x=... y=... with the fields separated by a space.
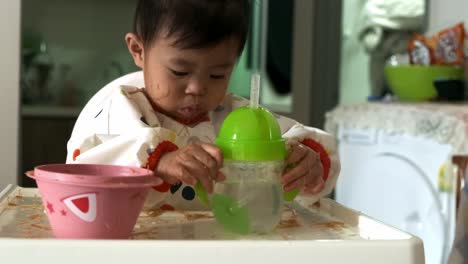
x=319 y=232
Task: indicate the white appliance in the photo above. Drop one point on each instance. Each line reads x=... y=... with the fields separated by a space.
x=392 y=157
x=393 y=178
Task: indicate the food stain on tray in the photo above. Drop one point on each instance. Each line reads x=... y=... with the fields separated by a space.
x=315 y=205
x=35 y=216
x=148 y=234
x=196 y=216
x=289 y=223
x=154 y=212
x=24 y=217
x=329 y=225
x=46 y=228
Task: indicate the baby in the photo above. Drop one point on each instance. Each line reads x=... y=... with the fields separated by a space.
x=166 y=117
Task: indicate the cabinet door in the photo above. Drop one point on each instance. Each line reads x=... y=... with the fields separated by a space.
x=44 y=141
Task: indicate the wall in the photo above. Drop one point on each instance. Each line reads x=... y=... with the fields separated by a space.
x=88 y=35
x=355 y=84
x=443 y=14
x=446 y=13
x=354 y=74
x=9 y=89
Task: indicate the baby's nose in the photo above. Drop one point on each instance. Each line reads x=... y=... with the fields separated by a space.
x=196 y=87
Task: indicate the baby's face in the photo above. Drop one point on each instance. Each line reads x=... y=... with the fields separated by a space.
x=188 y=83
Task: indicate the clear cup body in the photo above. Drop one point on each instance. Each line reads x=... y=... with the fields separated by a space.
x=256 y=185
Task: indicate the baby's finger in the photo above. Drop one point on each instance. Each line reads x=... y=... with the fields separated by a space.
x=200 y=172
x=206 y=181
x=296 y=172
x=194 y=167
x=186 y=176
x=315 y=174
x=314 y=189
x=170 y=179
x=296 y=154
x=220 y=177
x=208 y=162
x=296 y=184
x=215 y=152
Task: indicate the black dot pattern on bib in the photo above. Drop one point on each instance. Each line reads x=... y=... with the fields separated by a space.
x=188 y=193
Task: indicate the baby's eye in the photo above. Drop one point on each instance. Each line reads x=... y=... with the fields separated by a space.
x=178 y=73
x=217 y=76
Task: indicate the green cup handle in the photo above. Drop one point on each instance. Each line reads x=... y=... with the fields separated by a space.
x=228 y=212
x=201 y=193
x=291 y=195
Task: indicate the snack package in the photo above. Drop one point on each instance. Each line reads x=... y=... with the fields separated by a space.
x=449 y=46
x=466 y=46
x=444 y=48
x=419 y=51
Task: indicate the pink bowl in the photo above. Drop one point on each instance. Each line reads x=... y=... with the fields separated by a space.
x=93 y=201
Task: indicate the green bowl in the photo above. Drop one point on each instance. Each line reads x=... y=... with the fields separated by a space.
x=416 y=82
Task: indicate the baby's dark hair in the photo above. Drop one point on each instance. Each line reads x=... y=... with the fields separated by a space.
x=194 y=23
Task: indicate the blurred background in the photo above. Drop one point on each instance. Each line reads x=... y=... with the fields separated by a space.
x=71 y=49
x=314 y=56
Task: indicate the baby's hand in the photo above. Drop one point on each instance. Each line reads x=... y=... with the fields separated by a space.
x=304 y=170
x=192 y=163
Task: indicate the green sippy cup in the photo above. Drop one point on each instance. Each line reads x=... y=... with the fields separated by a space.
x=251 y=197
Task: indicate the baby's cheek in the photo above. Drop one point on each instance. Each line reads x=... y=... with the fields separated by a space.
x=163 y=90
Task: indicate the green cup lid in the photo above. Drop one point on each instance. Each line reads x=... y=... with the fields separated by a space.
x=251 y=134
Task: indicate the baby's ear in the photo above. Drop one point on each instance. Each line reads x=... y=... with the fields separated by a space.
x=136 y=49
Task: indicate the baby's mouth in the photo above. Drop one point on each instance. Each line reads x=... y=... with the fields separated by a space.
x=192 y=115
x=190 y=111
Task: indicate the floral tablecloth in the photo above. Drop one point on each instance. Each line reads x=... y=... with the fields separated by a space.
x=445 y=123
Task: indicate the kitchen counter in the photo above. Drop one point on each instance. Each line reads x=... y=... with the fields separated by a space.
x=50 y=111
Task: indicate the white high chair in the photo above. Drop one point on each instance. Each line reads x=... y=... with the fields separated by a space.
x=459 y=251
